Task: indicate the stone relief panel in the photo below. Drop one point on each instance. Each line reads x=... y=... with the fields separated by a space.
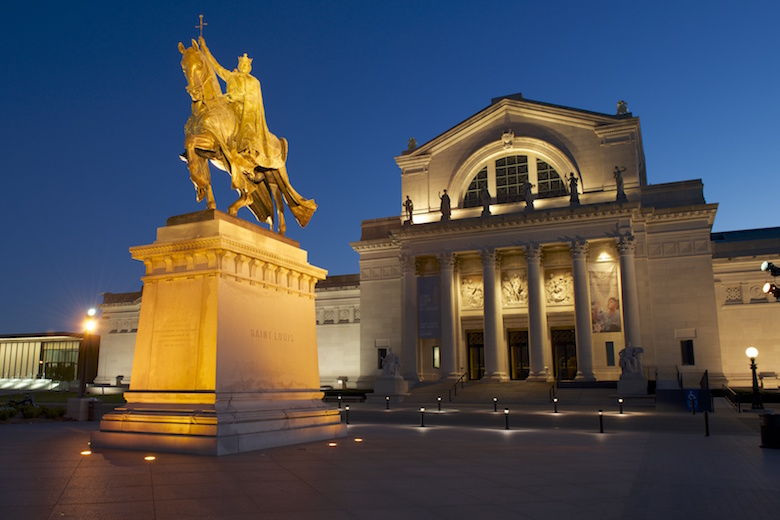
x=471 y=292
x=514 y=288
x=734 y=294
x=559 y=287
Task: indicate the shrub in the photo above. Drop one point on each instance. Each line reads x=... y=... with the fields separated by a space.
x=30 y=411
x=6 y=412
x=52 y=413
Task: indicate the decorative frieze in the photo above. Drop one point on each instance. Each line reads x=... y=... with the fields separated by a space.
x=514 y=288
x=559 y=287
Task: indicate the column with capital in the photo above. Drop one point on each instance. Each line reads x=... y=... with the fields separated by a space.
x=409 y=318
x=627 y=250
x=582 y=318
x=448 y=325
x=495 y=358
x=537 y=321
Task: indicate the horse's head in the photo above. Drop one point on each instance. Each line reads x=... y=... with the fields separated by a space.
x=202 y=82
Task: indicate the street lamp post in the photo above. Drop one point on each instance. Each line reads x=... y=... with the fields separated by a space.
x=752 y=353
x=90 y=324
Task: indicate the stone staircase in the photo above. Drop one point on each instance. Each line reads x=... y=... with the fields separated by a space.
x=510 y=392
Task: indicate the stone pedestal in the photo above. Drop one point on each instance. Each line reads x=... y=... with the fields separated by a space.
x=226 y=351
x=394 y=387
x=632 y=386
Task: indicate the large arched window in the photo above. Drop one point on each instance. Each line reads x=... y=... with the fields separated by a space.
x=505 y=177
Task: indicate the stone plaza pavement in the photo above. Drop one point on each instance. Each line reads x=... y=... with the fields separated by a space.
x=462 y=464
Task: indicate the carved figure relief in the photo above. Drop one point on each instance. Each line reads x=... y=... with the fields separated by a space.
x=471 y=292
x=558 y=287
x=514 y=288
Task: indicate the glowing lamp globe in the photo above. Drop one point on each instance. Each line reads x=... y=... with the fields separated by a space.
x=751 y=352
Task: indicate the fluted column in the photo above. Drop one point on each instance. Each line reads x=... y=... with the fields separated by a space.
x=536 y=317
x=409 y=318
x=494 y=368
x=448 y=333
x=627 y=250
x=582 y=317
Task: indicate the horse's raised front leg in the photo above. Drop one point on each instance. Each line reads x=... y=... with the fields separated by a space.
x=199 y=169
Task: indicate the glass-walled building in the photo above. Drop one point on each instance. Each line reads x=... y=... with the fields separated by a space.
x=52 y=356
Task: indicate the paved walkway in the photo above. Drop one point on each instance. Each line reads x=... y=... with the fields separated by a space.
x=462 y=464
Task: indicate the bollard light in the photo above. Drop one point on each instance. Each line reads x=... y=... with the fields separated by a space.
x=495 y=404
x=620 y=402
x=439 y=400
x=387 y=402
x=506 y=418
x=422 y=417
x=555 y=404
x=339 y=400
x=601 y=421
x=346 y=413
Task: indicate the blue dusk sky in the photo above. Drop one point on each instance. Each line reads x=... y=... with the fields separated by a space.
x=93 y=110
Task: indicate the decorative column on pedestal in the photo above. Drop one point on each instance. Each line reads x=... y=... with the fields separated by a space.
x=448 y=330
x=536 y=316
x=495 y=367
x=627 y=249
x=409 y=318
x=579 y=254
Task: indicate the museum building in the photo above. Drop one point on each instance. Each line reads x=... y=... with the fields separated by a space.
x=531 y=247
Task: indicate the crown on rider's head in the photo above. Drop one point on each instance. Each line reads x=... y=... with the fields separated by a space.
x=245 y=59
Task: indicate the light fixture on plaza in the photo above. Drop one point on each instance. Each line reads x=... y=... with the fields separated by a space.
x=422 y=417
x=495 y=404
x=620 y=402
x=772 y=268
x=439 y=400
x=346 y=414
x=150 y=458
x=506 y=418
x=752 y=353
x=555 y=404
x=90 y=325
x=601 y=421
x=339 y=400
x=387 y=402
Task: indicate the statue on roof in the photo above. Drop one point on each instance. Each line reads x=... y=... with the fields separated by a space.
x=230 y=131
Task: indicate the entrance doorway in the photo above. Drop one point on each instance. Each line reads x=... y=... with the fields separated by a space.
x=476 y=343
x=519 y=363
x=564 y=354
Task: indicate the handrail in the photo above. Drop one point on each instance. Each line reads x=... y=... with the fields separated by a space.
x=462 y=380
x=731 y=396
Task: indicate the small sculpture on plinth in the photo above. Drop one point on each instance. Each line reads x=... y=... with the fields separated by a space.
x=618 y=173
x=391 y=365
x=409 y=207
x=230 y=131
x=622 y=108
x=632 y=380
x=484 y=197
x=446 y=211
x=574 y=200
x=528 y=195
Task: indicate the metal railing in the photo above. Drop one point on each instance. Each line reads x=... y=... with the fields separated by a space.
x=732 y=397
x=454 y=388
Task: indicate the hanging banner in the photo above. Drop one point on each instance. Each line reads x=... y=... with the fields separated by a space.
x=428 y=307
x=604 y=300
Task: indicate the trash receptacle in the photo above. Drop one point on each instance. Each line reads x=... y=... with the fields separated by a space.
x=770 y=430
x=95 y=410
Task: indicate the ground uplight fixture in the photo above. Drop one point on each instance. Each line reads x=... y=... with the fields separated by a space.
x=752 y=354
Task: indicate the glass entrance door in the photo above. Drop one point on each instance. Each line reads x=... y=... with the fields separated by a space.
x=476 y=343
x=564 y=353
x=519 y=364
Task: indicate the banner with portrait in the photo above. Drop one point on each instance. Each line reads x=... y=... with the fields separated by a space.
x=604 y=297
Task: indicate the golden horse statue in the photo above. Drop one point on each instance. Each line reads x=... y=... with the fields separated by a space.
x=229 y=130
